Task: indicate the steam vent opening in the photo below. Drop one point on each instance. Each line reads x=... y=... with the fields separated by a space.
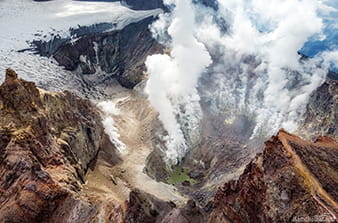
x=152 y=111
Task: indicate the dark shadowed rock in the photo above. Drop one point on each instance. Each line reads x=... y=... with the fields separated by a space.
x=143 y=4
x=145 y=208
x=120 y=53
x=223 y=153
x=154 y=4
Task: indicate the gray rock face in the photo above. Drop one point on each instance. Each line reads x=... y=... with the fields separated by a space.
x=154 y=4
x=143 y=4
x=120 y=53
x=321 y=116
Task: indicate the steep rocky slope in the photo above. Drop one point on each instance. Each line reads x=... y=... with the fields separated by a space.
x=145 y=208
x=47 y=142
x=291 y=180
x=321 y=117
x=57 y=165
x=222 y=154
x=102 y=55
x=143 y=4
x=226 y=148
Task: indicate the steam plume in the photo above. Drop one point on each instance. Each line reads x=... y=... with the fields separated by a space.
x=256 y=69
x=109 y=109
x=174 y=77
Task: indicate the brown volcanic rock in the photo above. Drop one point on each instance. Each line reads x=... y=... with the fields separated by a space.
x=47 y=141
x=291 y=180
x=145 y=208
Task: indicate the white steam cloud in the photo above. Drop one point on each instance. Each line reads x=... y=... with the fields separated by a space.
x=174 y=77
x=275 y=85
x=109 y=109
x=256 y=69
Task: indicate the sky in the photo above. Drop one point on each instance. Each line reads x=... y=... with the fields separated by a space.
x=328 y=41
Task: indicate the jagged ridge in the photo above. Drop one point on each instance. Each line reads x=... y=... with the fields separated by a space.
x=292 y=179
x=47 y=141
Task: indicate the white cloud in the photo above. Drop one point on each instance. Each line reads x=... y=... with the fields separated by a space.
x=256 y=68
x=330 y=57
x=173 y=77
x=290 y=24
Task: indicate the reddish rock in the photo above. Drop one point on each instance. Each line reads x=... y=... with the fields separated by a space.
x=47 y=141
x=292 y=180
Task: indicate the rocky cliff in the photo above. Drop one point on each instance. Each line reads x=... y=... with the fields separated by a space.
x=50 y=141
x=47 y=142
x=222 y=154
x=102 y=55
x=292 y=180
x=143 y=4
x=153 y=4
x=145 y=208
x=320 y=117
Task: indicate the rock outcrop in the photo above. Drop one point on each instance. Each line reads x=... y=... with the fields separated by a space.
x=143 y=4
x=321 y=117
x=292 y=180
x=145 y=208
x=47 y=142
x=154 y=4
x=120 y=54
x=224 y=151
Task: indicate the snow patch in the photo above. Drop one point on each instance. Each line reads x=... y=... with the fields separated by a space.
x=22 y=21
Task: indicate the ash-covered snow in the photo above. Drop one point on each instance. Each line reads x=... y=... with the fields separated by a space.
x=22 y=21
